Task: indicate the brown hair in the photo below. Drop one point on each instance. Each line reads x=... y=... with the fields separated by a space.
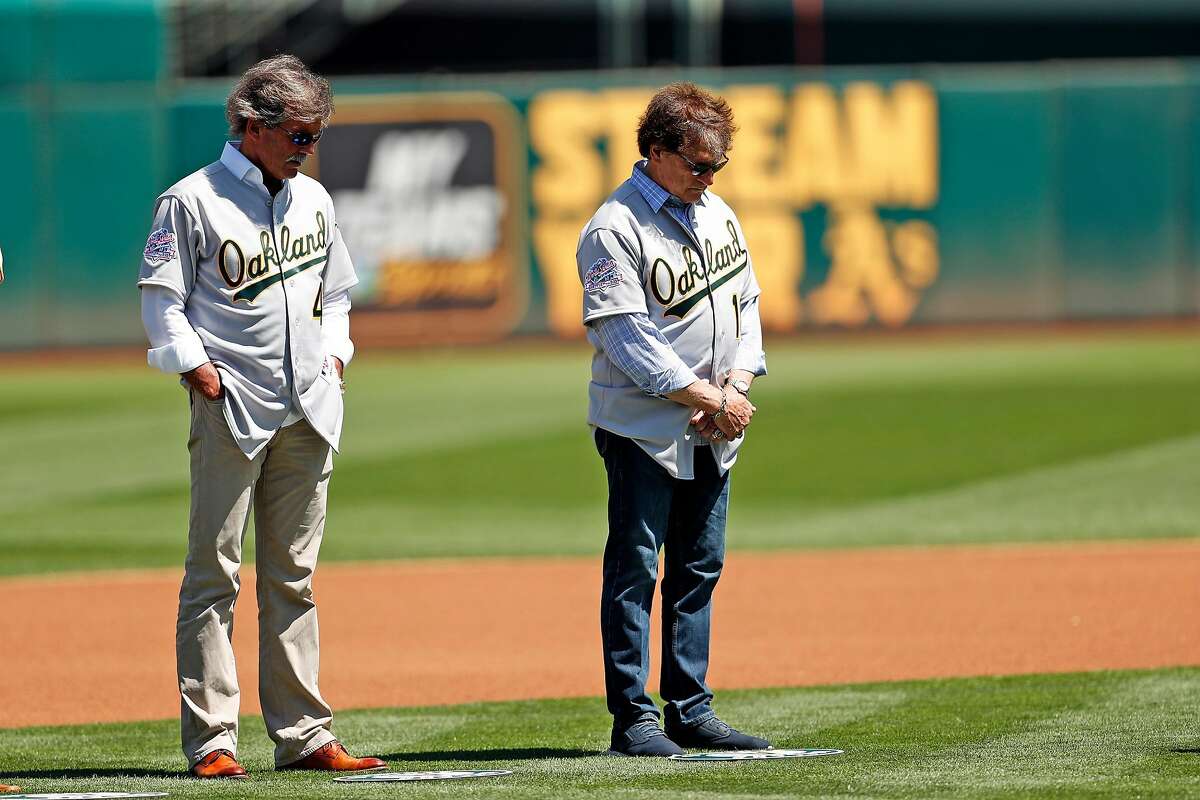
x=277 y=89
x=682 y=115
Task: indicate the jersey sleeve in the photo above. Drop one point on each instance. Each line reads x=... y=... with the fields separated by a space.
x=750 y=356
x=169 y=258
x=750 y=288
x=335 y=326
x=610 y=271
x=175 y=347
x=339 y=272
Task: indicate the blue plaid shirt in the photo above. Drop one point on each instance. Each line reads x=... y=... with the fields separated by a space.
x=641 y=352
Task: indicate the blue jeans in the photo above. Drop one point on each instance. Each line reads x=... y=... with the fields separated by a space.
x=649 y=510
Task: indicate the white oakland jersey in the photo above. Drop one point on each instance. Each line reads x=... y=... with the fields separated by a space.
x=633 y=259
x=251 y=271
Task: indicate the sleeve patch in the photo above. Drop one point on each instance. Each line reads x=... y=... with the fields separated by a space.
x=603 y=274
x=160 y=246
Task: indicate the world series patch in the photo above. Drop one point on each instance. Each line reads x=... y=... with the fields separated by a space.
x=160 y=246
x=603 y=274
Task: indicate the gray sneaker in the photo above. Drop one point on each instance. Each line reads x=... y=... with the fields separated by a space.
x=713 y=734
x=643 y=739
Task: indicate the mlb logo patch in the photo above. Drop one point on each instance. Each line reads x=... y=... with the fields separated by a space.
x=603 y=274
x=160 y=246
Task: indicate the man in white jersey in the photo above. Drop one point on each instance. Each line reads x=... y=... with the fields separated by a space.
x=245 y=287
x=671 y=305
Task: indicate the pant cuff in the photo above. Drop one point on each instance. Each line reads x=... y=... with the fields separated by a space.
x=704 y=717
x=321 y=738
x=220 y=743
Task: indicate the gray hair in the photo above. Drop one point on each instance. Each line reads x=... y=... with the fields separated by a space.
x=278 y=89
x=682 y=115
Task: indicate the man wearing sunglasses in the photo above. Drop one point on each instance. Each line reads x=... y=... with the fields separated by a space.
x=671 y=307
x=245 y=287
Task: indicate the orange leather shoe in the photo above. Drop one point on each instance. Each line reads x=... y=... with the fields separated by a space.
x=219 y=764
x=334 y=758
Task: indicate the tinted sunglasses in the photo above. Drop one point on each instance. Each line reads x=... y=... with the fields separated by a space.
x=700 y=169
x=301 y=138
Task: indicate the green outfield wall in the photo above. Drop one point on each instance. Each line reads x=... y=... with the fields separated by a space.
x=870 y=197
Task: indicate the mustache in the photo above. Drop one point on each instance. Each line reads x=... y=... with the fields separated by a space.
x=299 y=158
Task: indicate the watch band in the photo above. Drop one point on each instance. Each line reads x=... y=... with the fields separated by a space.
x=741 y=386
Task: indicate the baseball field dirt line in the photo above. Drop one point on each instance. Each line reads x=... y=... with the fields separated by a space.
x=94 y=648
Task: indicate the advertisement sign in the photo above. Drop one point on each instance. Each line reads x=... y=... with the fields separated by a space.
x=829 y=186
x=428 y=200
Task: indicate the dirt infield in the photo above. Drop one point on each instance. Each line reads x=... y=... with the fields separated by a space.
x=94 y=648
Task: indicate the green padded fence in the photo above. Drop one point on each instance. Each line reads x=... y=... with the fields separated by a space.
x=870 y=197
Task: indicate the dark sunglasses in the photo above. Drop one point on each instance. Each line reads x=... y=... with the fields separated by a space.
x=700 y=169
x=302 y=139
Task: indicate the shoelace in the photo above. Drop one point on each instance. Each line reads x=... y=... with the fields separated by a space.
x=648 y=728
x=717 y=726
x=211 y=758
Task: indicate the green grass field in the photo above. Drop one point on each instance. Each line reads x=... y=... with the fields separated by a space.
x=485 y=452
x=1095 y=735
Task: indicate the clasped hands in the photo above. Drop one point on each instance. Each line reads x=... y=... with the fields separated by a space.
x=730 y=425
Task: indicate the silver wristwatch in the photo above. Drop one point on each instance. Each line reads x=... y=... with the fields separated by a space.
x=741 y=386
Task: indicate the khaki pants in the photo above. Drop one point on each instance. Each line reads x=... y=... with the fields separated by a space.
x=286 y=485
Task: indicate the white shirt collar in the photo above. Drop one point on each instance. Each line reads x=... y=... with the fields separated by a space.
x=241 y=167
x=237 y=163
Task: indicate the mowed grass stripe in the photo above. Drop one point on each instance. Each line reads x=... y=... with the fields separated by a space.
x=1146 y=491
x=1096 y=735
x=868 y=444
x=1080 y=742
x=841 y=448
x=988 y=744
x=117 y=415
